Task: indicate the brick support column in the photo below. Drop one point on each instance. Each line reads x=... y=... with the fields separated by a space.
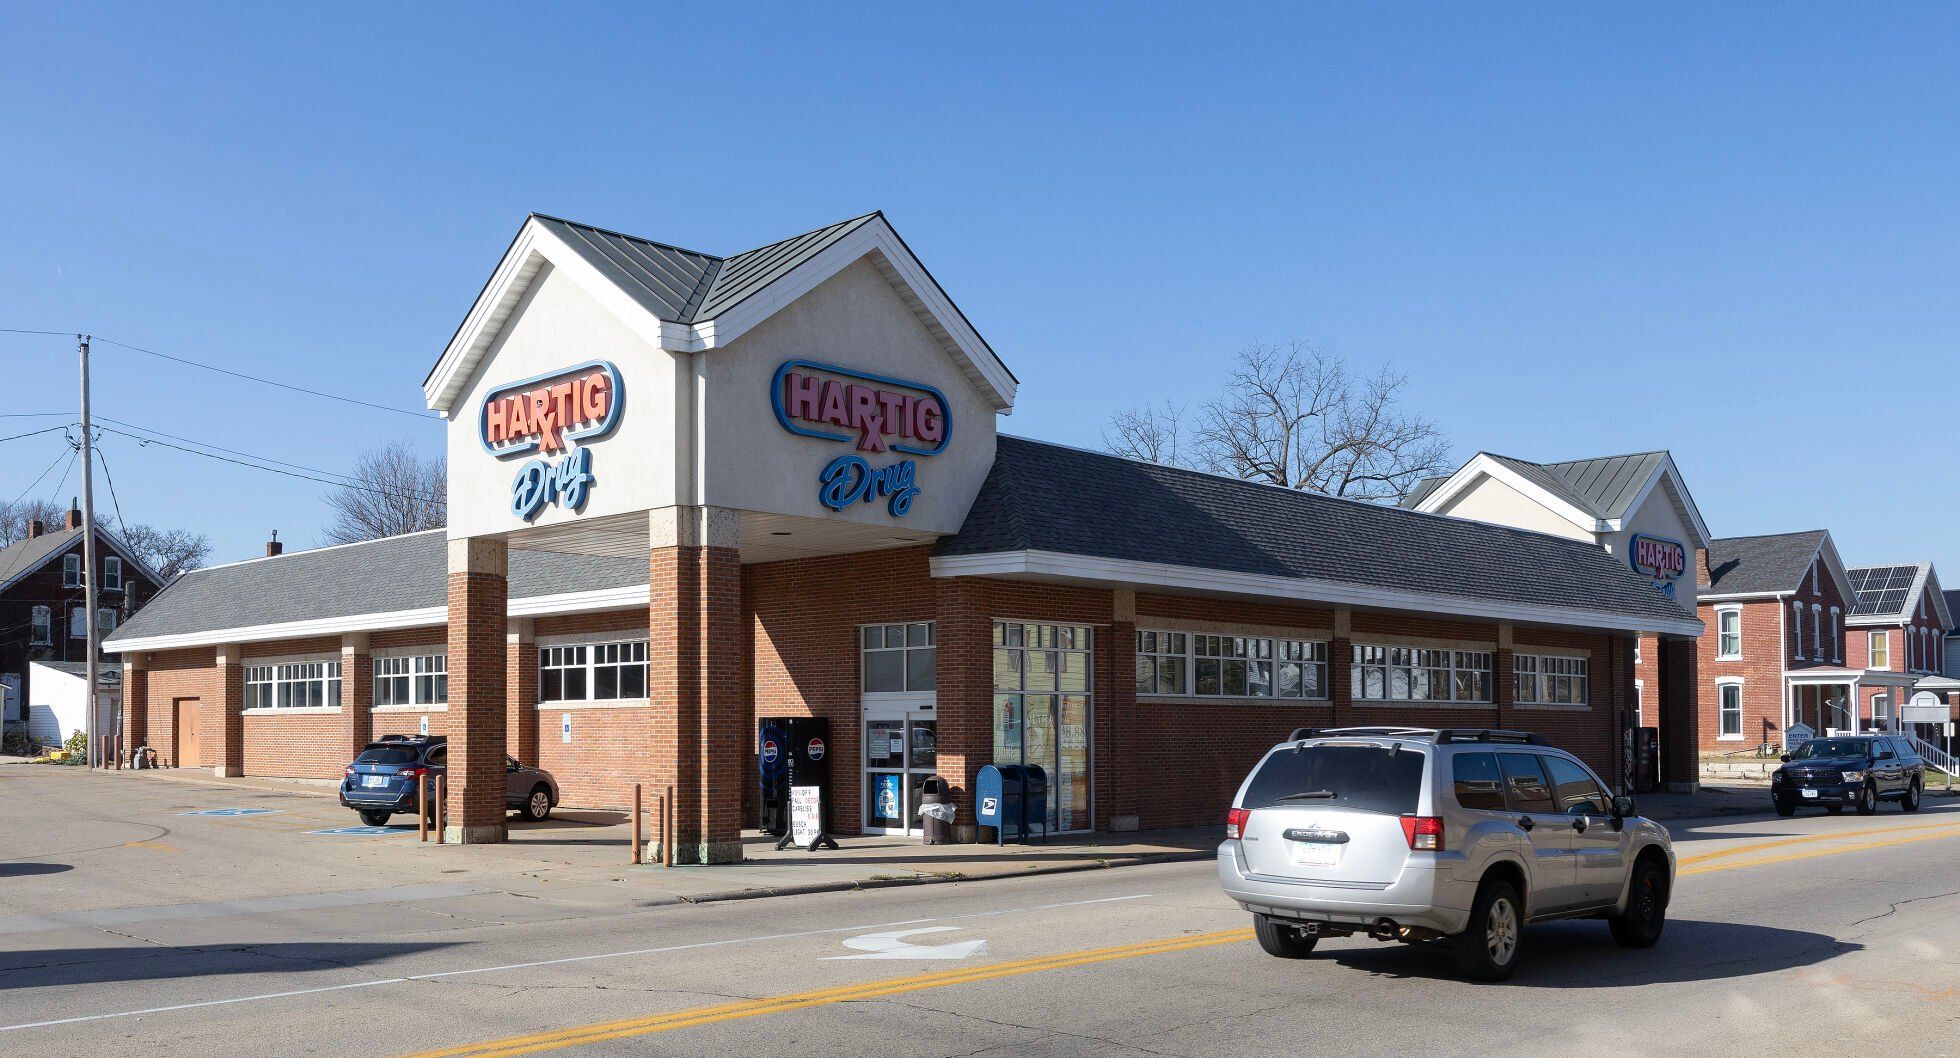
x=694 y=675
x=1503 y=675
x=221 y=720
x=1625 y=672
x=1123 y=726
x=521 y=690
x=478 y=600
x=965 y=691
x=135 y=702
x=1680 y=719
x=356 y=692
x=1340 y=669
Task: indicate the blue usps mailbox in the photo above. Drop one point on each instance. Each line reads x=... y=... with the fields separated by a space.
x=1013 y=799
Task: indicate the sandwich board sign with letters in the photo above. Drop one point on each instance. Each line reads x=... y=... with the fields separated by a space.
x=806 y=820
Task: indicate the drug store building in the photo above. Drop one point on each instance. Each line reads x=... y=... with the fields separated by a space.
x=689 y=491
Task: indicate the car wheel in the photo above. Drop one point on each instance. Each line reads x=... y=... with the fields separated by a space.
x=1487 y=950
x=1786 y=809
x=1834 y=809
x=1281 y=939
x=375 y=819
x=1867 y=802
x=537 y=807
x=1910 y=802
x=1640 y=925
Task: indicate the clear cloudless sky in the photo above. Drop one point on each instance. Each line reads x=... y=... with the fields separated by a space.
x=1726 y=230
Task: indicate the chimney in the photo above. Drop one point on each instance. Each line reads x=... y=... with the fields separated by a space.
x=273 y=547
x=35 y=527
x=74 y=515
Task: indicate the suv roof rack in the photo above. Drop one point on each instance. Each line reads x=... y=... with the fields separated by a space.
x=410 y=738
x=1319 y=732
x=1442 y=736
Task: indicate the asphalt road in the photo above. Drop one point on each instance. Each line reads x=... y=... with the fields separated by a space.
x=1805 y=936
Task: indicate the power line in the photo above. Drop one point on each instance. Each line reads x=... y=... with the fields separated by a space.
x=23 y=330
x=72 y=457
x=33 y=414
x=110 y=478
x=35 y=433
x=37 y=480
x=275 y=470
x=222 y=448
x=264 y=381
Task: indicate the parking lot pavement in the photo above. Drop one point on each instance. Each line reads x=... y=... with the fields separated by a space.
x=1781 y=931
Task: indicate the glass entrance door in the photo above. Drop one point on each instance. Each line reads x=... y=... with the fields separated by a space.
x=901 y=749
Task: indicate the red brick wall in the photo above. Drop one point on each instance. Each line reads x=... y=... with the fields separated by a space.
x=174 y=675
x=612 y=747
x=1765 y=652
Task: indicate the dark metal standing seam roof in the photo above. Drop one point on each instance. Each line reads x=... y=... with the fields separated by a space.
x=1604 y=487
x=1045 y=497
x=686 y=286
x=1761 y=565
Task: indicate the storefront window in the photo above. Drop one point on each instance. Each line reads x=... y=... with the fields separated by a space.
x=1221 y=666
x=900 y=657
x=293 y=685
x=1042 y=711
x=411 y=679
x=1420 y=674
x=593 y=672
x=1551 y=680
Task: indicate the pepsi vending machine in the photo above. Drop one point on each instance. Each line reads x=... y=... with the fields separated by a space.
x=791 y=751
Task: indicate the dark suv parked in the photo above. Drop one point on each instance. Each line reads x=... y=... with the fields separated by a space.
x=381 y=782
x=1855 y=770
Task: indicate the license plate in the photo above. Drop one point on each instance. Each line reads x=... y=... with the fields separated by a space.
x=1810 y=793
x=1315 y=854
x=374 y=780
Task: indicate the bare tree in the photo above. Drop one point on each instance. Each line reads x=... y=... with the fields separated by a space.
x=15 y=516
x=170 y=552
x=394 y=491
x=1148 y=432
x=1296 y=417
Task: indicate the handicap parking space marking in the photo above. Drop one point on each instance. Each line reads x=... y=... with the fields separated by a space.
x=366 y=832
x=234 y=812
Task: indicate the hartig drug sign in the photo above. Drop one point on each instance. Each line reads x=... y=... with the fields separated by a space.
x=550 y=415
x=875 y=414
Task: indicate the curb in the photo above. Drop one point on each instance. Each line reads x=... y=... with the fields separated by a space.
x=931 y=879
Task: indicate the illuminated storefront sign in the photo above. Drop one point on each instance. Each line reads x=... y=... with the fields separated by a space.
x=873 y=413
x=1659 y=558
x=550 y=415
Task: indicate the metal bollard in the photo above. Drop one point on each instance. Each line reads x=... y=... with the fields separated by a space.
x=667 y=830
x=422 y=806
x=442 y=807
x=637 y=810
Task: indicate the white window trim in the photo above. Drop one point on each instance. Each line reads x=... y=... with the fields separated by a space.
x=594 y=639
x=71 y=570
x=1878 y=635
x=374 y=676
x=1817 y=631
x=1736 y=682
x=111 y=573
x=1720 y=613
x=1426 y=703
x=1273 y=639
x=1546 y=652
x=42 y=616
x=245 y=664
x=932 y=635
x=1837 y=636
x=1796 y=630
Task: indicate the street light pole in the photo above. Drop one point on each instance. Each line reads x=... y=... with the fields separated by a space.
x=88 y=561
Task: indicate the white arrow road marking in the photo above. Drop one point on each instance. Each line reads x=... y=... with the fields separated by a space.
x=892 y=945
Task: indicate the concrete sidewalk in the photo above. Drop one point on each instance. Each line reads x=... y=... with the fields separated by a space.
x=586 y=850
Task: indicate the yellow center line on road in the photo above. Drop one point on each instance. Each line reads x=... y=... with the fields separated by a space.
x=1811 y=854
x=682 y=1019
x=1762 y=846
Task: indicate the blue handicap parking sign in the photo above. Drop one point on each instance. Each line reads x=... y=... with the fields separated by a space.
x=228 y=812
x=362 y=831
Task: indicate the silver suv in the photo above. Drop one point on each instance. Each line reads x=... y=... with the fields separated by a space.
x=1417 y=835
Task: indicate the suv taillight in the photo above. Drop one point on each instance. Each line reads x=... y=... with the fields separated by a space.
x=412 y=773
x=1235 y=821
x=1425 y=833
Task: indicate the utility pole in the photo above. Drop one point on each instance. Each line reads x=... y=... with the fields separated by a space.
x=88 y=560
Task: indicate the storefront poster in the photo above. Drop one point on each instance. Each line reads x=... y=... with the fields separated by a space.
x=887 y=791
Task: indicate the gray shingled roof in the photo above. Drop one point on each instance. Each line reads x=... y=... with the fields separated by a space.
x=686 y=286
x=380 y=576
x=1044 y=497
x=1751 y=565
x=26 y=556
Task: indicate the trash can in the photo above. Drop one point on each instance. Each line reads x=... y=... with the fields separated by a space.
x=937 y=810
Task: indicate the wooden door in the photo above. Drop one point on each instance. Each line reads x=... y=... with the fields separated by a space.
x=189 y=754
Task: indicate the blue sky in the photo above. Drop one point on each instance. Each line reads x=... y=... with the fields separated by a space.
x=1728 y=231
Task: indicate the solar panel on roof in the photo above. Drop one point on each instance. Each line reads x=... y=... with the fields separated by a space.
x=1881 y=589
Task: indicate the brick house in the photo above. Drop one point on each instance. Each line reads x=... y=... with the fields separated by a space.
x=805 y=510
x=1896 y=632
x=42 y=607
x=1777 y=649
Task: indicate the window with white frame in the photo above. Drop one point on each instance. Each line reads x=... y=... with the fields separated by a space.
x=1207 y=665
x=293 y=685
x=112 y=573
x=41 y=629
x=71 y=571
x=1880 y=653
x=105 y=621
x=1837 y=636
x=1420 y=674
x=1730 y=697
x=1551 y=679
x=900 y=657
x=1728 y=634
x=1796 y=630
x=1816 y=632
x=77 y=622
x=606 y=671
x=402 y=680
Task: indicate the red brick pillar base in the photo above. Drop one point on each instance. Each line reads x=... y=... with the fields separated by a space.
x=1123 y=725
x=1680 y=717
x=135 y=703
x=694 y=675
x=221 y=721
x=356 y=692
x=478 y=602
x=965 y=634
